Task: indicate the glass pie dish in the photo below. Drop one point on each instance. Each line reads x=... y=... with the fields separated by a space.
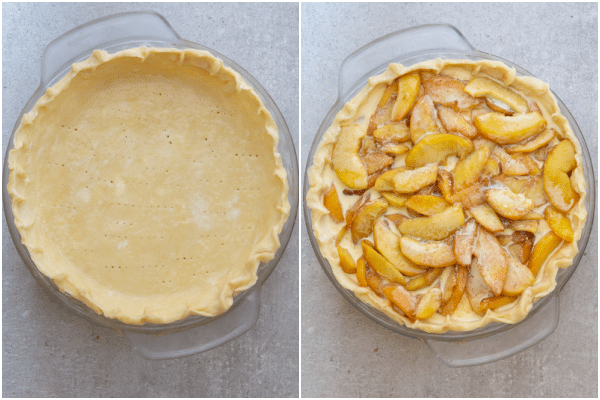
x=493 y=341
x=193 y=334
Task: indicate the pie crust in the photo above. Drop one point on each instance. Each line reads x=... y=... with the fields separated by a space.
x=148 y=184
x=358 y=112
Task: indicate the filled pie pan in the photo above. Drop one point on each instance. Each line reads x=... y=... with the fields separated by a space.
x=495 y=340
x=193 y=334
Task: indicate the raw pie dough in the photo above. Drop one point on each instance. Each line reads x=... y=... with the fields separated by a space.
x=358 y=111
x=148 y=184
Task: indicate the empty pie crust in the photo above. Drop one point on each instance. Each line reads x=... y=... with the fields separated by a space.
x=345 y=246
x=148 y=184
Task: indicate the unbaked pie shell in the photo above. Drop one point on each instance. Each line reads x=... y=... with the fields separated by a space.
x=148 y=184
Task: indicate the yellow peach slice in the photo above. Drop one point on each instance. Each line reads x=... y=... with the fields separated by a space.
x=427 y=254
x=515 y=183
x=394 y=149
x=492 y=168
x=487 y=217
x=521 y=248
x=353 y=210
x=408 y=89
x=557 y=184
x=430 y=303
x=341 y=234
x=449 y=92
x=499 y=106
x=476 y=288
x=449 y=307
x=533 y=144
x=385 y=181
x=491 y=303
x=347 y=163
x=411 y=180
x=436 y=227
x=518 y=278
x=448 y=276
x=426 y=204
x=468 y=170
x=361 y=272
x=470 y=197
x=362 y=225
x=464 y=238
x=504 y=129
x=559 y=223
x=377 y=161
x=423 y=280
x=534 y=191
x=374 y=280
x=445 y=184
x=481 y=86
x=381 y=265
x=396 y=133
x=454 y=122
x=524 y=226
x=332 y=203
x=395 y=199
x=423 y=119
x=435 y=148
x=402 y=299
x=491 y=261
x=542 y=250
x=396 y=218
x=508 y=204
x=388 y=244
x=346 y=261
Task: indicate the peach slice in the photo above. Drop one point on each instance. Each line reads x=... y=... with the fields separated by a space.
x=436 y=227
x=423 y=119
x=518 y=278
x=361 y=272
x=448 y=276
x=499 y=106
x=395 y=199
x=411 y=180
x=524 y=226
x=341 y=234
x=533 y=144
x=424 y=280
x=396 y=133
x=388 y=244
x=428 y=254
x=426 y=204
x=374 y=280
x=347 y=163
x=487 y=217
x=408 y=89
x=464 y=238
x=492 y=168
x=481 y=86
x=362 y=225
x=394 y=149
x=435 y=148
x=491 y=261
x=346 y=261
x=377 y=161
x=476 y=288
x=515 y=183
x=385 y=181
x=449 y=92
x=534 y=191
x=454 y=122
x=383 y=110
x=381 y=265
x=542 y=250
x=516 y=164
x=559 y=223
x=462 y=273
x=332 y=203
x=429 y=304
x=508 y=204
x=468 y=170
x=353 y=210
x=403 y=299
x=470 y=197
x=557 y=184
x=396 y=218
x=504 y=129
x=491 y=303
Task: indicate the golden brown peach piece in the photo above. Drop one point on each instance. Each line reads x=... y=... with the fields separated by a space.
x=377 y=161
x=534 y=191
x=426 y=204
x=487 y=217
x=436 y=227
x=468 y=170
x=361 y=272
x=449 y=92
x=395 y=199
x=542 y=250
x=423 y=119
x=424 y=280
x=557 y=184
x=346 y=261
x=396 y=133
x=381 y=265
x=429 y=304
x=362 y=225
x=515 y=183
x=559 y=223
x=396 y=218
x=435 y=148
x=333 y=205
x=492 y=168
x=470 y=197
x=427 y=254
x=508 y=204
x=449 y=307
x=491 y=303
x=502 y=129
x=402 y=299
x=491 y=261
x=445 y=184
x=476 y=288
x=353 y=210
x=524 y=225
x=518 y=278
x=464 y=239
x=394 y=149
x=408 y=89
x=481 y=86
x=347 y=163
x=454 y=122
x=388 y=244
x=411 y=180
x=374 y=280
x=385 y=181
x=533 y=144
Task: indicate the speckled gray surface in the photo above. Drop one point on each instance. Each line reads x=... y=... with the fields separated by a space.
x=346 y=354
x=49 y=352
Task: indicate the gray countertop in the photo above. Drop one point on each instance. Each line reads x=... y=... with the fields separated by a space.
x=346 y=354
x=49 y=352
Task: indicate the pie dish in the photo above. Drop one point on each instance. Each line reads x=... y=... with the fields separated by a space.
x=407 y=180
x=147 y=184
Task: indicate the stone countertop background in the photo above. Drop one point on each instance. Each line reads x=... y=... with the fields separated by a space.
x=346 y=354
x=48 y=351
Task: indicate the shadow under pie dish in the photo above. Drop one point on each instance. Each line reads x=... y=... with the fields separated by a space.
x=148 y=185
x=437 y=195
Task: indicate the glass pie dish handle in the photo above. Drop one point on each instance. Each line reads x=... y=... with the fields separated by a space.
x=410 y=45
x=207 y=336
x=116 y=29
